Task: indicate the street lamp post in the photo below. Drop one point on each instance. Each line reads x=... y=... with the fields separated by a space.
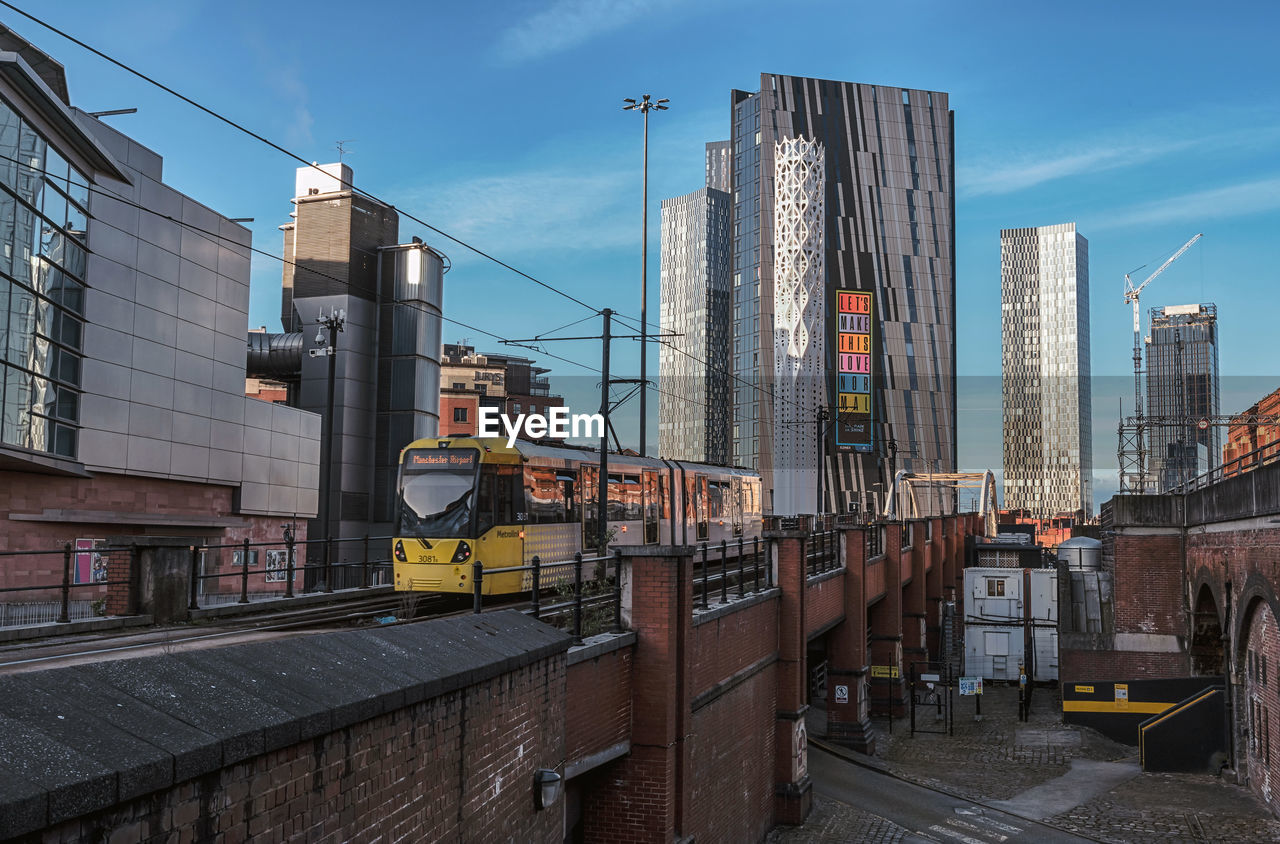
x=644 y=107
x=328 y=347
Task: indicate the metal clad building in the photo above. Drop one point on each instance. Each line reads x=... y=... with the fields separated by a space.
x=888 y=163
x=1045 y=389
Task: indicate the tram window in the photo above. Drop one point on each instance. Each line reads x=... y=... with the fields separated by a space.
x=545 y=495
x=626 y=498
x=701 y=494
x=569 y=492
x=499 y=493
x=651 y=496
x=715 y=500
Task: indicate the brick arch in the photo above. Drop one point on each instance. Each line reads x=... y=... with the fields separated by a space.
x=1205 y=577
x=1207 y=650
x=1256 y=589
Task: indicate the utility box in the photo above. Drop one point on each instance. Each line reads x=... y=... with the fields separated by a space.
x=1011 y=621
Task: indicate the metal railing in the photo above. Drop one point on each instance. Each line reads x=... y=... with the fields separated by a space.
x=822 y=552
x=601 y=597
x=281 y=566
x=742 y=551
x=62 y=585
x=1261 y=456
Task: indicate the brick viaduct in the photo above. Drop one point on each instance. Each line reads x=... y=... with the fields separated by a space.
x=1196 y=580
x=691 y=724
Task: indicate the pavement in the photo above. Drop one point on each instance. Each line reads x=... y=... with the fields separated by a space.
x=1004 y=780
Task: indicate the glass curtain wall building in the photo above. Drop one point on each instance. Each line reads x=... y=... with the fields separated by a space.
x=693 y=408
x=44 y=215
x=1182 y=385
x=887 y=162
x=1046 y=395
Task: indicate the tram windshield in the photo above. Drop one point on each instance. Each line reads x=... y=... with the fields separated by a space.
x=437 y=491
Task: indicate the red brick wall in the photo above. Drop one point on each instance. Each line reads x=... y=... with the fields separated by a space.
x=726 y=645
x=1119 y=665
x=1149 y=585
x=825 y=602
x=730 y=758
x=1260 y=658
x=423 y=773
x=875 y=579
x=599 y=703
x=27 y=493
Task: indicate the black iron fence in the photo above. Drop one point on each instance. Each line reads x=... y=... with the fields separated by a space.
x=822 y=552
x=582 y=606
x=714 y=570
x=62 y=584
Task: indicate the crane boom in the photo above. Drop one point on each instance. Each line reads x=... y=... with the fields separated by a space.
x=1131 y=295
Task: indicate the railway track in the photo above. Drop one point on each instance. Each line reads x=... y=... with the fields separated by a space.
x=52 y=653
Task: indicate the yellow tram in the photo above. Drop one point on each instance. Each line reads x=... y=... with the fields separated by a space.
x=466 y=499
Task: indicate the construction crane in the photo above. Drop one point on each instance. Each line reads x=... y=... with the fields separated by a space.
x=1131 y=294
x=1132 y=448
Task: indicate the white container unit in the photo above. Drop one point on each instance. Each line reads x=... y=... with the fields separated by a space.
x=998 y=624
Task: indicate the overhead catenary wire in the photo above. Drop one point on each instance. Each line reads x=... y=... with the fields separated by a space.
x=258 y=137
x=348 y=185
x=219 y=237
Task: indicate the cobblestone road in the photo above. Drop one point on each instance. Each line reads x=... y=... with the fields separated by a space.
x=833 y=822
x=1000 y=757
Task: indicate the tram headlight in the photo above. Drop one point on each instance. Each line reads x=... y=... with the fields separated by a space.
x=462 y=553
x=400 y=555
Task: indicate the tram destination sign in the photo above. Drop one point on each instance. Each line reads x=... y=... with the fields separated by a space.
x=422 y=460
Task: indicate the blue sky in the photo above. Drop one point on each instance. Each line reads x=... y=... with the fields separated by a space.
x=501 y=123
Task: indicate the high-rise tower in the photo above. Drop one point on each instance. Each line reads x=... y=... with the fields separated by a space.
x=870 y=279
x=1182 y=385
x=694 y=413
x=1048 y=447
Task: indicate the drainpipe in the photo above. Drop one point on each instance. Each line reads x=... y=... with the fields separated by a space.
x=1226 y=680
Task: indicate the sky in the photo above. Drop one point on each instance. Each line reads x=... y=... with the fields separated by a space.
x=501 y=125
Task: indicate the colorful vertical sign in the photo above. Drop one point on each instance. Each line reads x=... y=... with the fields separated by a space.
x=854 y=371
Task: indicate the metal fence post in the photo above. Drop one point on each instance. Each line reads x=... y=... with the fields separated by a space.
x=288 y=560
x=194 y=603
x=617 y=588
x=768 y=568
x=704 y=575
x=724 y=575
x=65 y=616
x=328 y=564
x=364 y=565
x=244 y=573
x=536 y=577
x=742 y=574
x=477 y=579
x=755 y=562
x=577 y=598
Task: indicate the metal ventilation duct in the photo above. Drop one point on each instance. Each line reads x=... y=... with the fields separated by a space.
x=276 y=356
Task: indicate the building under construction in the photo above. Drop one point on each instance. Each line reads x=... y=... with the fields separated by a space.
x=1182 y=388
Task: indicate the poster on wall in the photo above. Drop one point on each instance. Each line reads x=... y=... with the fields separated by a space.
x=90 y=565
x=277 y=566
x=854 y=371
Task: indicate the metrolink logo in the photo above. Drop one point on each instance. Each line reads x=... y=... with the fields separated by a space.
x=559 y=423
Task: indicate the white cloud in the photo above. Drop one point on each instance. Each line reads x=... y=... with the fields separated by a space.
x=1006 y=172
x=991 y=177
x=1215 y=203
x=568 y=23
x=532 y=211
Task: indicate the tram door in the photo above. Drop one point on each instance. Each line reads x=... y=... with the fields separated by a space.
x=652 y=499
x=735 y=505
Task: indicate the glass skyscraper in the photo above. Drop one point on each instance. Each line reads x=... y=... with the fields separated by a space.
x=1182 y=387
x=1044 y=293
x=885 y=176
x=693 y=408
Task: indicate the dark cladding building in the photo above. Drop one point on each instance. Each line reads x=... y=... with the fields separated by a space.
x=342 y=254
x=843 y=273
x=1182 y=385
